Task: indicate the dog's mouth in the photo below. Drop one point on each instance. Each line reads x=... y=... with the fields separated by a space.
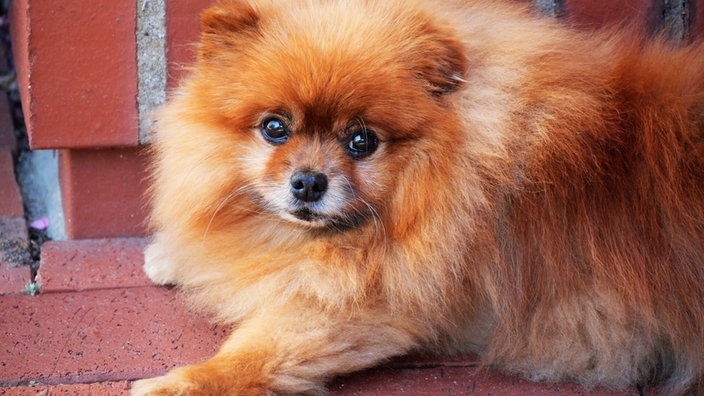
x=307 y=215
x=315 y=215
x=316 y=220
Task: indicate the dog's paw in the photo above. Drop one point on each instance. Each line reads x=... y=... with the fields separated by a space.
x=157 y=266
x=164 y=386
x=199 y=380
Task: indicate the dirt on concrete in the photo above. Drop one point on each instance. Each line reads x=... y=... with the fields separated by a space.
x=15 y=245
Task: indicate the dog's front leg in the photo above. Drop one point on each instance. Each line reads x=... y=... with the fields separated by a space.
x=290 y=350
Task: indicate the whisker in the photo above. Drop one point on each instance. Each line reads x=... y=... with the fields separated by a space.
x=379 y=227
x=241 y=190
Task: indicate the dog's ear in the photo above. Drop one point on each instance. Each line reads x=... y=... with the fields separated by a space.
x=442 y=63
x=224 y=25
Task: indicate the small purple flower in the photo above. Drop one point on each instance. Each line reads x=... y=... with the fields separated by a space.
x=40 y=224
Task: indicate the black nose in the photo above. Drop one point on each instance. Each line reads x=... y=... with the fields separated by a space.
x=308 y=186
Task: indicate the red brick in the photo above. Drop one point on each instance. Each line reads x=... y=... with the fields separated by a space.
x=103 y=192
x=182 y=27
x=452 y=381
x=77 y=66
x=102 y=389
x=19 y=34
x=102 y=335
x=92 y=264
x=13 y=279
x=10 y=198
x=14 y=255
x=591 y=14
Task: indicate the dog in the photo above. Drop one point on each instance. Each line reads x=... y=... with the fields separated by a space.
x=346 y=181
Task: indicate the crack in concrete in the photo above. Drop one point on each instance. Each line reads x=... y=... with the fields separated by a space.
x=68 y=338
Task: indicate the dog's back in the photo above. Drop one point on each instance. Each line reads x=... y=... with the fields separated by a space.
x=604 y=228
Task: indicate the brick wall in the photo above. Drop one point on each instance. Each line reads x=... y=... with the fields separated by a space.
x=79 y=69
x=77 y=66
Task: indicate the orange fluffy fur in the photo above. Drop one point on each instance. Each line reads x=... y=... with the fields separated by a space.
x=536 y=197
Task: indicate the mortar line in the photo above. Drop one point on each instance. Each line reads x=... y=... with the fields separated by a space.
x=151 y=61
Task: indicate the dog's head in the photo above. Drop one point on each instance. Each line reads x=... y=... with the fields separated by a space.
x=324 y=104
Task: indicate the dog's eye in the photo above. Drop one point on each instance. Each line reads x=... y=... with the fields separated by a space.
x=275 y=131
x=362 y=143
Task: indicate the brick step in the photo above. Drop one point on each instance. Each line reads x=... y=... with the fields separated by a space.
x=92 y=264
x=381 y=381
x=101 y=388
x=100 y=335
x=13 y=228
x=99 y=324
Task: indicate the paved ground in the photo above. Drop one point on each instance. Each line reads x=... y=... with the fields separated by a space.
x=98 y=323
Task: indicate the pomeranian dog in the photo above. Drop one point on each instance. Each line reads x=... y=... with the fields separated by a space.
x=345 y=181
